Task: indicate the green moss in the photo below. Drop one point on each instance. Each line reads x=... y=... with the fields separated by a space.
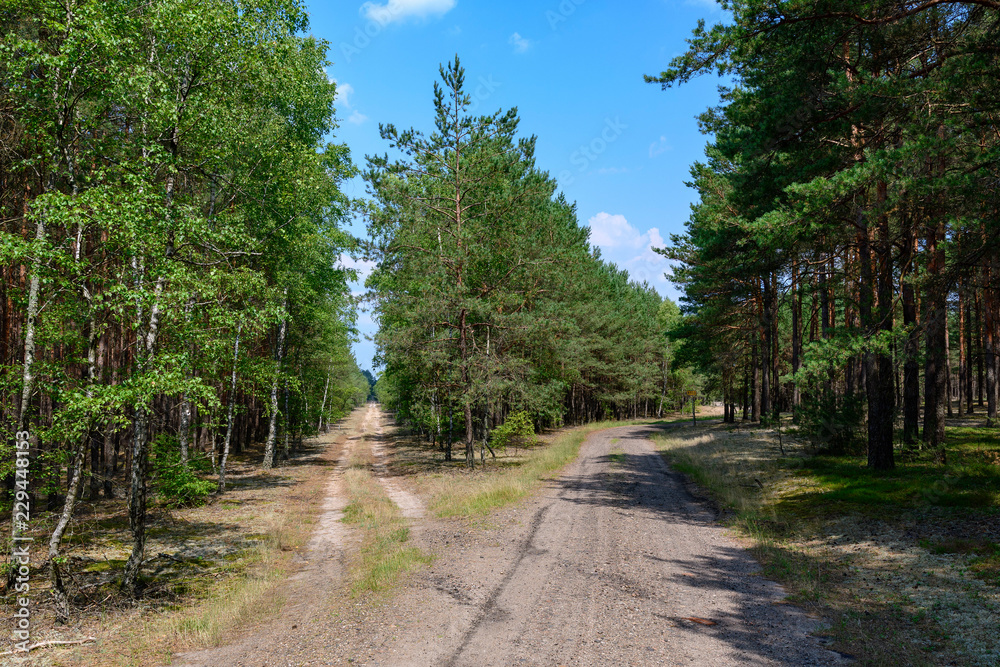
x=105 y=566
x=984 y=561
x=846 y=485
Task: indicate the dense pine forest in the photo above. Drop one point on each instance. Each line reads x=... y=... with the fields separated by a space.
x=844 y=251
x=490 y=299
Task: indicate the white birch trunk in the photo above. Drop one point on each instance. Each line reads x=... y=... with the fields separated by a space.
x=229 y=417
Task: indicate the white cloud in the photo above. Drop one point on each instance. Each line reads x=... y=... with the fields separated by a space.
x=613 y=231
x=400 y=10
x=343 y=99
x=362 y=266
x=619 y=242
x=520 y=44
x=659 y=147
x=344 y=92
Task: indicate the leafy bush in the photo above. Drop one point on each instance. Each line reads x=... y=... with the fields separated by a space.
x=177 y=483
x=833 y=422
x=516 y=430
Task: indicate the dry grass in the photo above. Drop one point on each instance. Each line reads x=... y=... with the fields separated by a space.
x=457 y=492
x=254 y=592
x=211 y=571
x=219 y=603
x=384 y=555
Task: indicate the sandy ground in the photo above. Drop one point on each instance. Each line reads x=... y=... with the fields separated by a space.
x=614 y=563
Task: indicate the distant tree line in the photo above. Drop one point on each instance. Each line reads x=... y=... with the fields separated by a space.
x=489 y=298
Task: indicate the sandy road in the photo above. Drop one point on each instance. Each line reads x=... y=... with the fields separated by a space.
x=613 y=564
x=321 y=566
x=616 y=565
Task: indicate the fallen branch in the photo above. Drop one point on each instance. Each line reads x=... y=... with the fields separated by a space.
x=53 y=642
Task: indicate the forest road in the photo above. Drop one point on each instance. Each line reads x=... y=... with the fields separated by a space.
x=616 y=564
x=613 y=563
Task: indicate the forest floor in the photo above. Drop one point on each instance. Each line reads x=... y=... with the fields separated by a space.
x=370 y=549
x=210 y=571
x=904 y=566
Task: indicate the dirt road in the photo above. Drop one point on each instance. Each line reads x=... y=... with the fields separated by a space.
x=613 y=564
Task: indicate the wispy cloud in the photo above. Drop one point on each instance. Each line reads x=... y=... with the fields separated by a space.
x=343 y=101
x=659 y=147
x=520 y=44
x=400 y=10
x=344 y=92
x=603 y=171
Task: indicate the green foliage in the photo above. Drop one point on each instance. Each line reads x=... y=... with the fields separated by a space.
x=516 y=430
x=489 y=298
x=178 y=483
x=848 y=179
x=833 y=422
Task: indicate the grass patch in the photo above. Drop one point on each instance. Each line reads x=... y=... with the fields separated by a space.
x=984 y=555
x=384 y=555
x=458 y=493
x=616 y=455
x=846 y=485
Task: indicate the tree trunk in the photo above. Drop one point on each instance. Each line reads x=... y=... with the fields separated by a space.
x=322 y=407
x=947 y=365
x=470 y=454
x=140 y=443
x=184 y=428
x=766 y=361
x=288 y=427
x=961 y=349
x=110 y=460
x=878 y=363
x=55 y=576
x=230 y=412
x=796 y=334
x=990 y=343
x=76 y=480
x=911 y=349
x=27 y=386
x=935 y=386
x=272 y=426
x=969 y=355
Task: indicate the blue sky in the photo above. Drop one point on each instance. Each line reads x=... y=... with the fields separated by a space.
x=619 y=148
